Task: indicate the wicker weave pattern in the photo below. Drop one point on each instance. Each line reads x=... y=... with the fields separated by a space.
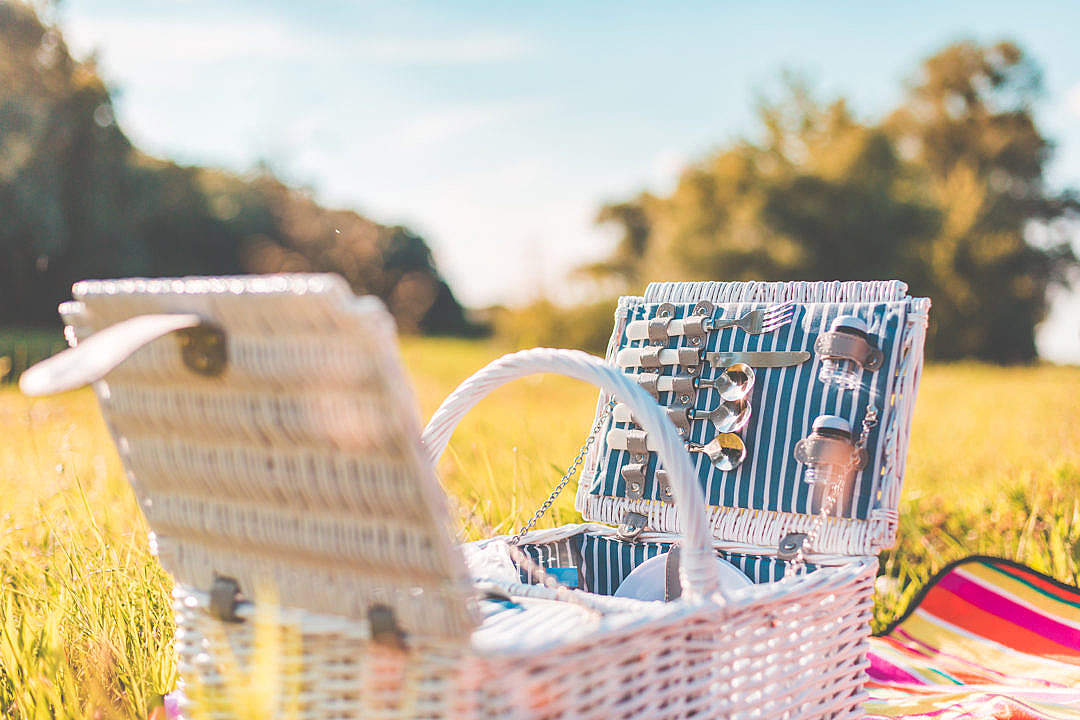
x=271 y=472
x=795 y=650
x=862 y=532
x=299 y=472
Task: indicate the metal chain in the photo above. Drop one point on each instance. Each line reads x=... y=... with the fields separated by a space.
x=798 y=563
x=570 y=472
x=869 y=421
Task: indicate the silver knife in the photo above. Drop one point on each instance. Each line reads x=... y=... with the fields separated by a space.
x=650 y=356
x=758 y=358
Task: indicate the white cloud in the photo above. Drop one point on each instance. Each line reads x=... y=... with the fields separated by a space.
x=133 y=41
x=436 y=127
x=474 y=48
x=127 y=43
x=431 y=128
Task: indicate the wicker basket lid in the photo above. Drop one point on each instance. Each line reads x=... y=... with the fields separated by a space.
x=296 y=471
x=767 y=496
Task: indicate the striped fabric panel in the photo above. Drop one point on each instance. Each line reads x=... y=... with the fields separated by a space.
x=560 y=554
x=1004 y=628
x=785 y=403
x=604 y=561
x=607 y=561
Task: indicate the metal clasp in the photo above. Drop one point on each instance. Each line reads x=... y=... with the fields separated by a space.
x=225 y=596
x=680 y=418
x=634 y=476
x=664 y=483
x=384 y=627
x=631 y=526
x=790 y=545
x=203 y=349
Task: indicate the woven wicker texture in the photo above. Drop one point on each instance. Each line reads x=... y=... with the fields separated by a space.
x=297 y=469
x=794 y=650
x=301 y=468
x=766 y=497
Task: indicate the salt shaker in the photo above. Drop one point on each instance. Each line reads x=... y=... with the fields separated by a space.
x=844 y=372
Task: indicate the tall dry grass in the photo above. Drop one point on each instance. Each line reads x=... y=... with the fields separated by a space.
x=85 y=619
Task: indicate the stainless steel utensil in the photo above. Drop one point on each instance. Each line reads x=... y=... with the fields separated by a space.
x=762 y=320
x=654 y=357
x=758 y=358
x=755 y=322
x=727 y=417
x=734 y=383
x=726 y=451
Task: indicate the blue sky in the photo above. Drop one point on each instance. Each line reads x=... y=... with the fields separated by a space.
x=497 y=129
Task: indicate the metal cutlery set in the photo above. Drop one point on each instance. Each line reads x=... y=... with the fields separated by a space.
x=846 y=349
x=726 y=450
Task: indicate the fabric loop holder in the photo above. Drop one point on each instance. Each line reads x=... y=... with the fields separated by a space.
x=847 y=346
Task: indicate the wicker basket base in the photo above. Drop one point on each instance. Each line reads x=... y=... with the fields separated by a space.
x=793 y=649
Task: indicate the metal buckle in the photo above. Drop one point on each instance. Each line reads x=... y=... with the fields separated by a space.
x=658 y=330
x=695 y=327
x=634 y=475
x=649 y=381
x=650 y=356
x=689 y=357
x=703 y=308
x=224 y=597
x=637 y=442
x=849 y=347
x=683 y=386
x=385 y=630
x=631 y=526
x=203 y=349
x=664 y=483
x=680 y=418
x=790 y=545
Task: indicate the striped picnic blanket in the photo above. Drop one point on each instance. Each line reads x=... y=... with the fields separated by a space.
x=987 y=638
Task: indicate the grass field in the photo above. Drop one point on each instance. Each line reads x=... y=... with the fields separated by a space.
x=85 y=621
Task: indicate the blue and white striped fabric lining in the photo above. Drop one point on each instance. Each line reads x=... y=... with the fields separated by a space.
x=603 y=562
x=785 y=403
x=559 y=554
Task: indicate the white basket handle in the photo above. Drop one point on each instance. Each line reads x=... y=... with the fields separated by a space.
x=94 y=357
x=698 y=571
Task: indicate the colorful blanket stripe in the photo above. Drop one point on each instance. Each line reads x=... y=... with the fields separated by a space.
x=988 y=638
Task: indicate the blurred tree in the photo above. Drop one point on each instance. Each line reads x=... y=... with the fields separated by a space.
x=968 y=130
x=78 y=201
x=941 y=194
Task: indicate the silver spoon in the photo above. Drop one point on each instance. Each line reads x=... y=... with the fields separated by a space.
x=728 y=417
x=726 y=451
x=734 y=383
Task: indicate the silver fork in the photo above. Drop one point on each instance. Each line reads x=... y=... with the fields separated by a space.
x=754 y=322
x=760 y=321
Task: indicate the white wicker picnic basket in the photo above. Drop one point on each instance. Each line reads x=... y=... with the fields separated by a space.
x=269 y=433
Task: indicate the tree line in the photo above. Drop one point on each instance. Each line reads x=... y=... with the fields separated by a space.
x=947 y=192
x=78 y=200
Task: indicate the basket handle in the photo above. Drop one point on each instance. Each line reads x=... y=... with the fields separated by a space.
x=698 y=572
x=97 y=355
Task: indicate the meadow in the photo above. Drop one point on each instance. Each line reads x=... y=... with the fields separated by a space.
x=85 y=618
